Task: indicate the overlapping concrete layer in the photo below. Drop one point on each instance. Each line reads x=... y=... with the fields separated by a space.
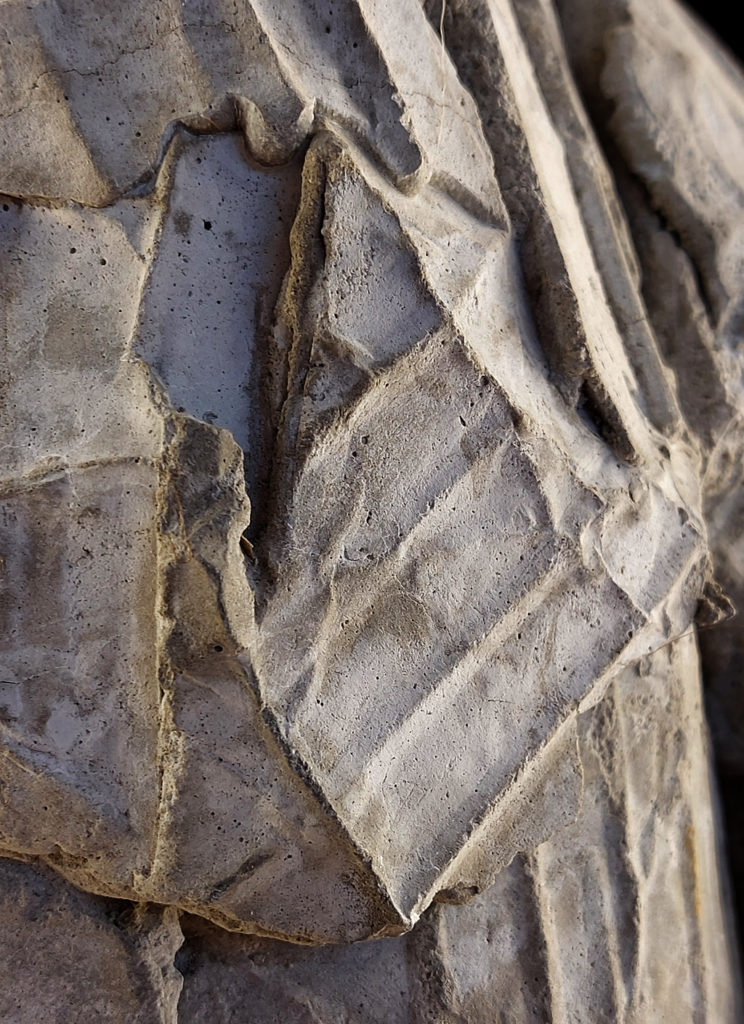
x=564 y=933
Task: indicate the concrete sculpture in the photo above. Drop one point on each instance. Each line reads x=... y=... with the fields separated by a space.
x=373 y=454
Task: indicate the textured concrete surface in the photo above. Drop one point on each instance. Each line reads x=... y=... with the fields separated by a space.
x=372 y=422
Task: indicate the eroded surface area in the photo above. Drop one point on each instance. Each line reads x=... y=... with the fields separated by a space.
x=372 y=433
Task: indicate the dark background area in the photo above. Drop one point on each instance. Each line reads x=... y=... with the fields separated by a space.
x=725 y=21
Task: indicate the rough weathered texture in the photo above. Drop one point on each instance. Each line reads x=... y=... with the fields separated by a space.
x=564 y=933
x=372 y=414
x=670 y=107
x=668 y=104
x=74 y=958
